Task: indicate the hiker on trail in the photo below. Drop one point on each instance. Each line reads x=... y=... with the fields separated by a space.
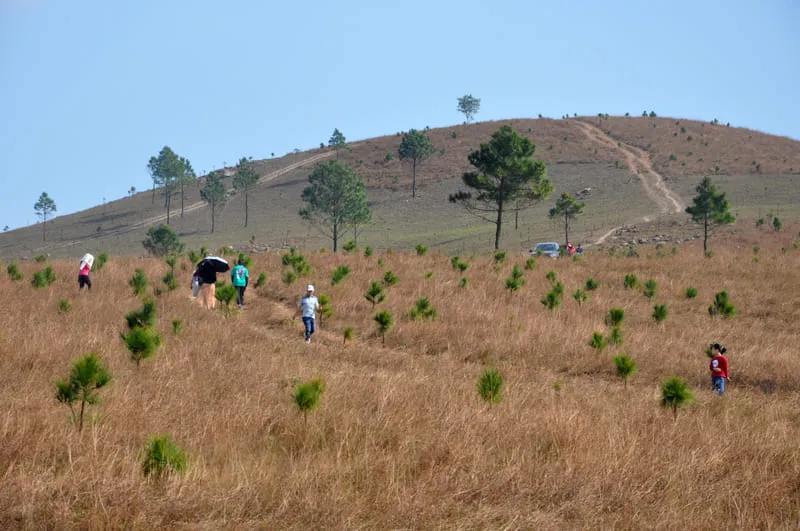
x=308 y=306
x=195 y=282
x=208 y=289
x=240 y=277
x=719 y=368
x=570 y=249
x=83 y=272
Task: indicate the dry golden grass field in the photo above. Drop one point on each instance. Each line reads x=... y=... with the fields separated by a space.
x=401 y=439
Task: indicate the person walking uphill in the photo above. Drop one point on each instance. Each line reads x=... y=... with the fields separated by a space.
x=83 y=272
x=308 y=306
x=208 y=289
x=240 y=277
x=719 y=368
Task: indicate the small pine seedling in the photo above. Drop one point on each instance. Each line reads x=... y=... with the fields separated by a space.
x=162 y=456
x=13 y=272
x=325 y=309
x=463 y=283
x=615 y=317
x=339 y=274
x=598 y=341
x=530 y=264
x=141 y=343
x=88 y=374
x=307 y=396
x=422 y=310
x=626 y=367
x=580 y=296
x=691 y=292
x=225 y=294
x=347 y=334
x=138 y=282
x=421 y=249
x=490 y=386
x=551 y=276
x=177 y=326
x=551 y=300
x=516 y=280
x=650 y=288
x=499 y=257
x=375 y=294
x=288 y=276
x=64 y=306
x=368 y=251
x=146 y=317
x=660 y=313
x=349 y=246
x=631 y=282
x=592 y=284
x=675 y=394
x=389 y=279
x=385 y=321
x=262 y=280
x=721 y=306
x=616 y=336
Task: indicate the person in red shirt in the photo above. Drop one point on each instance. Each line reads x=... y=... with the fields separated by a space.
x=719 y=368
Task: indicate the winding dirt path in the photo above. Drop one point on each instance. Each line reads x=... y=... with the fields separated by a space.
x=639 y=163
x=190 y=208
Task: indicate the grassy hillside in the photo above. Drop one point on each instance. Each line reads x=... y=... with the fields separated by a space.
x=615 y=157
x=401 y=438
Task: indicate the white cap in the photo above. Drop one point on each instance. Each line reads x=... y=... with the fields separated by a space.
x=310 y=287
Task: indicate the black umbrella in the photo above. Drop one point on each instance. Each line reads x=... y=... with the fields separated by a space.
x=218 y=264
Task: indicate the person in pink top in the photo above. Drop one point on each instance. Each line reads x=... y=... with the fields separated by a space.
x=83 y=275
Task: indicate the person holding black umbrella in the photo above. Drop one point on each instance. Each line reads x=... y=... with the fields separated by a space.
x=207 y=270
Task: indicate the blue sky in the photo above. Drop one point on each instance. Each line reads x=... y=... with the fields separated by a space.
x=90 y=90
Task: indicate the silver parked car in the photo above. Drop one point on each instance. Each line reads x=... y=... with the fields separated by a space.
x=551 y=249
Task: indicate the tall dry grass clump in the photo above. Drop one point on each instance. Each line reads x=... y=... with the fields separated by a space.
x=401 y=438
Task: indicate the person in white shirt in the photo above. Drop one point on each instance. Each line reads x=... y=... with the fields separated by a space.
x=308 y=306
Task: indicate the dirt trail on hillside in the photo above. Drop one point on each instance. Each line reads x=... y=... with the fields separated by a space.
x=194 y=206
x=639 y=163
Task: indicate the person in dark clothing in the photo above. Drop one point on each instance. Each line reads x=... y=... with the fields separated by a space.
x=208 y=288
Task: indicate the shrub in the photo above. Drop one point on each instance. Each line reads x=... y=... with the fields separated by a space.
x=177 y=326
x=248 y=260
x=368 y=251
x=385 y=321
x=558 y=289
x=421 y=249
x=463 y=283
x=162 y=456
x=516 y=280
x=490 y=386
x=162 y=240
x=551 y=300
x=194 y=258
x=423 y=310
x=64 y=306
x=40 y=259
x=389 y=156
x=499 y=257
x=675 y=394
x=777 y=224
x=616 y=337
x=349 y=246
x=660 y=313
x=709 y=254
x=225 y=294
x=631 y=282
x=580 y=296
x=141 y=343
x=429 y=274
x=146 y=317
x=691 y=292
x=99 y=262
x=262 y=280
x=462 y=266
x=592 y=284
x=389 y=279
x=672 y=157
x=42 y=279
x=288 y=276
x=650 y=288
x=721 y=306
x=325 y=309
x=307 y=396
x=598 y=341
x=88 y=374
x=13 y=272
x=626 y=367
x=339 y=274
x=375 y=294
x=615 y=316
x=297 y=262
x=551 y=276
x=138 y=282
x=347 y=334
x=530 y=264
x=170 y=280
